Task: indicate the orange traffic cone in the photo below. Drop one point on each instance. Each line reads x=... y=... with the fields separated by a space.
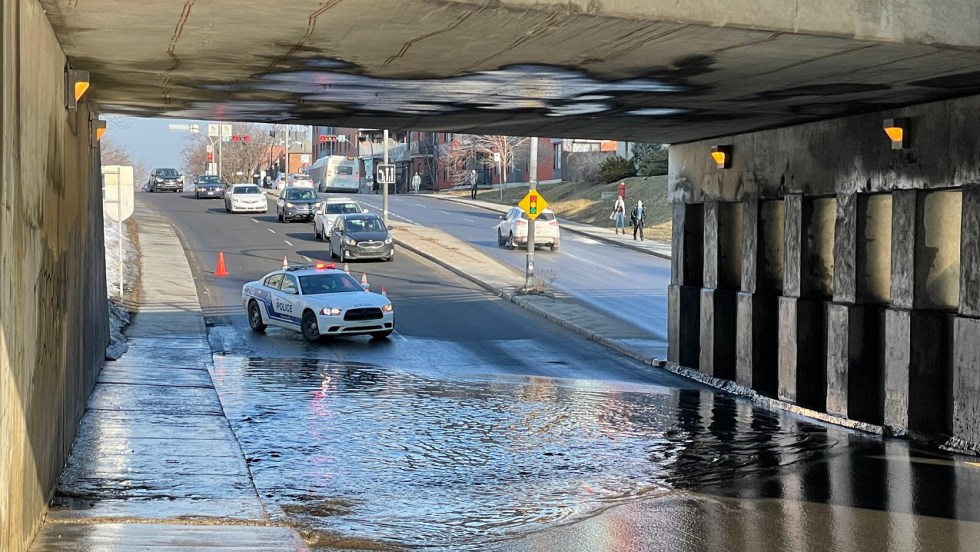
x=285 y=263
x=346 y=268
x=220 y=271
x=364 y=281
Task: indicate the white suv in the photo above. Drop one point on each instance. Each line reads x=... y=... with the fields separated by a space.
x=328 y=213
x=513 y=226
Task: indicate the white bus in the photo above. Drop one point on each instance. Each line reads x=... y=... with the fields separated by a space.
x=336 y=173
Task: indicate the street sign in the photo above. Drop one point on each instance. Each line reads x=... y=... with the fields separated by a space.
x=210 y=148
x=213 y=130
x=118 y=185
x=496 y=157
x=532 y=204
x=386 y=174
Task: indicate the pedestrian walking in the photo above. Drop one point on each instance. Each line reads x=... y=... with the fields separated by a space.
x=619 y=215
x=472 y=179
x=638 y=217
x=416 y=182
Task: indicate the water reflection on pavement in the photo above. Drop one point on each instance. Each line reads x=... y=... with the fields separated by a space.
x=363 y=456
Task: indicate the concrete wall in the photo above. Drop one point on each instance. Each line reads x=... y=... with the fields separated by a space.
x=867 y=257
x=53 y=328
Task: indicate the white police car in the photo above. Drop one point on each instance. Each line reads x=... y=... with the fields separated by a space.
x=318 y=301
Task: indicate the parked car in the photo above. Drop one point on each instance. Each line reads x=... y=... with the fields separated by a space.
x=318 y=301
x=245 y=198
x=301 y=180
x=513 y=226
x=209 y=185
x=297 y=203
x=328 y=212
x=361 y=236
x=165 y=180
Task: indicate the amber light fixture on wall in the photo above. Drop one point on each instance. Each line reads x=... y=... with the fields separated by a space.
x=722 y=156
x=76 y=85
x=898 y=132
x=98 y=129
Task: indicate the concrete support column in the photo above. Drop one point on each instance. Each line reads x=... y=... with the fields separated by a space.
x=966 y=329
x=745 y=331
x=788 y=329
x=898 y=318
x=683 y=295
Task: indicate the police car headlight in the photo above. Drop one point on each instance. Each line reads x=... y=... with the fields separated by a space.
x=387 y=308
x=388 y=241
x=350 y=241
x=327 y=311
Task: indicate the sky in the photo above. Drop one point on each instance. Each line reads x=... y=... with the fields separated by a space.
x=150 y=139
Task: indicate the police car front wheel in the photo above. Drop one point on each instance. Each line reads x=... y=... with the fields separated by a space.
x=255 y=317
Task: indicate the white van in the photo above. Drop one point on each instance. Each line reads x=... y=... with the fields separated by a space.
x=336 y=173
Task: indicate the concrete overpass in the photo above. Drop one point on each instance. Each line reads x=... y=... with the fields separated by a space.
x=822 y=266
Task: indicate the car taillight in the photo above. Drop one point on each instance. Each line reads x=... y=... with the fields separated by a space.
x=553 y=222
x=521 y=222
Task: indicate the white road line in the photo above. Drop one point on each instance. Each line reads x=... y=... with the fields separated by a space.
x=606 y=267
x=417 y=204
x=287 y=243
x=309 y=260
x=255 y=221
x=471 y=220
x=271 y=230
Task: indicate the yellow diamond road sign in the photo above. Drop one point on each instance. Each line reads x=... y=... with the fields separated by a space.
x=533 y=204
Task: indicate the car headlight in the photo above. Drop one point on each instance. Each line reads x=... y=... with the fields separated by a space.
x=388 y=240
x=288 y=204
x=350 y=241
x=159 y=179
x=327 y=311
x=387 y=308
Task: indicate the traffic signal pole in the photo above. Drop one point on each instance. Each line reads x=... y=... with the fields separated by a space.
x=384 y=200
x=533 y=168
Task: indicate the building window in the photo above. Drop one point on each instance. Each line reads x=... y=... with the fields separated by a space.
x=557 y=161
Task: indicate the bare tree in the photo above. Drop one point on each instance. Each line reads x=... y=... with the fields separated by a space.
x=239 y=158
x=470 y=151
x=113 y=153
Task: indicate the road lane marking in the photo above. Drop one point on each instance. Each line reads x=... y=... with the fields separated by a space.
x=468 y=220
x=287 y=243
x=567 y=254
x=255 y=221
x=271 y=230
x=420 y=204
x=309 y=260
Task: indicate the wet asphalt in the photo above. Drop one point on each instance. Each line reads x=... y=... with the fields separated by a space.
x=479 y=426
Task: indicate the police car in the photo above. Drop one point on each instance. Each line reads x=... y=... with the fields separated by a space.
x=317 y=300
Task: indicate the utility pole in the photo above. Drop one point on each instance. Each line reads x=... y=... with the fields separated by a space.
x=285 y=170
x=221 y=138
x=533 y=184
x=385 y=196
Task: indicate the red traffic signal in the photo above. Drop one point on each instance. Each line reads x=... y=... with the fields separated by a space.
x=323 y=137
x=234 y=137
x=533 y=200
x=328 y=137
x=245 y=137
x=210 y=157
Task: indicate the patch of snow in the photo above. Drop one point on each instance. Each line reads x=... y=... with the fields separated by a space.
x=119 y=317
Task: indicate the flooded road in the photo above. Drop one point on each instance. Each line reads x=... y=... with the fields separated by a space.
x=361 y=456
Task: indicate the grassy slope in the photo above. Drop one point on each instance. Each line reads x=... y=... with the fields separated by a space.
x=583 y=202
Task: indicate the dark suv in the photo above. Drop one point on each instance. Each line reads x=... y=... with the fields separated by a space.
x=165 y=180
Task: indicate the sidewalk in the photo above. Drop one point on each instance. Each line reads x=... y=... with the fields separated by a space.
x=155 y=463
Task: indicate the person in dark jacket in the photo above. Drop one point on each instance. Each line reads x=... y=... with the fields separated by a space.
x=472 y=181
x=638 y=217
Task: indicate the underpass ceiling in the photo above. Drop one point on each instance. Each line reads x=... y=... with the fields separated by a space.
x=623 y=69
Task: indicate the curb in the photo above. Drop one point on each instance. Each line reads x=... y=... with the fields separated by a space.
x=567 y=228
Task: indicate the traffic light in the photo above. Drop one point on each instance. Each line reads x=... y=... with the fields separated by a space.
x=210 y=157
x=533 y=200
x=245 y=138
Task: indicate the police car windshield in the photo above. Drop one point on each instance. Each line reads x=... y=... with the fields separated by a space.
x=318 y=284
x=300 y=194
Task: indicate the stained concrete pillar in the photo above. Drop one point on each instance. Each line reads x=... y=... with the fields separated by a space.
x=683 y=295
x=966 y=329
x=757 y=309
x=918 y=330
x=854 y=386
x=722 y=273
